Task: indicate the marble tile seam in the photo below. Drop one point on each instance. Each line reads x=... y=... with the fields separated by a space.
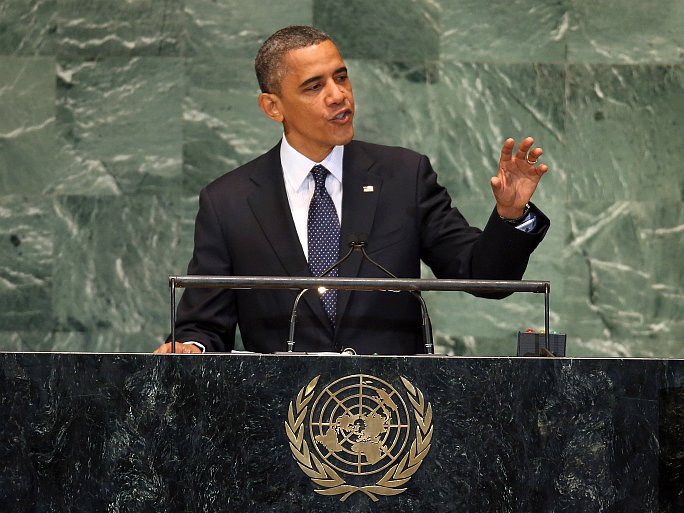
x=66 y=56
x=60 y=58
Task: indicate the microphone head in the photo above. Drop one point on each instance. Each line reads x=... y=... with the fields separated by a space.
x=357 y=240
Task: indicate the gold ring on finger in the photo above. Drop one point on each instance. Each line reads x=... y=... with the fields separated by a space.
x=530 y=161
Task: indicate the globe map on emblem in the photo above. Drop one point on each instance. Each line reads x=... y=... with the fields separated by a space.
x=359 y=424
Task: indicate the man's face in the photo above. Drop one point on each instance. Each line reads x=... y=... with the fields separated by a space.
x=316 y=101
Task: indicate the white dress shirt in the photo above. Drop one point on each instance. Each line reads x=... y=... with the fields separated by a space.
x=299 y=185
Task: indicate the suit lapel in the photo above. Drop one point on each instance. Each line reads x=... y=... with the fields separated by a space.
x=361 y=188
x=271 y=209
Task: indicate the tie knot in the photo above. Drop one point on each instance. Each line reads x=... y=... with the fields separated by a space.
x=320 y=174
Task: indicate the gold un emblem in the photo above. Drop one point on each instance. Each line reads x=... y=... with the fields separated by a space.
x=359 y=426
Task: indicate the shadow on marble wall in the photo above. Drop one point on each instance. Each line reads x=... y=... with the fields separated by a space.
x=113 y=115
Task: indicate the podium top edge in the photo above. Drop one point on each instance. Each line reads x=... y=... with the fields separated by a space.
x=344 y=283
x=320 y=355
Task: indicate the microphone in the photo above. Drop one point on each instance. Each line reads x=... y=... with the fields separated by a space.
x=358 y=242
x=425 y=316
x=353 y=245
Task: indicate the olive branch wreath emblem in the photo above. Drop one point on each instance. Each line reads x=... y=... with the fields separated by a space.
x=328 y=479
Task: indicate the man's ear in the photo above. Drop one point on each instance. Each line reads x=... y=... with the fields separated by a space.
x=270 y=104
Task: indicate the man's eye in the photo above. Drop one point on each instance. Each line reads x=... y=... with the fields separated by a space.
x=341 y=78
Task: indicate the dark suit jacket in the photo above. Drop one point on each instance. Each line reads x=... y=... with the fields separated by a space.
x=244 y=227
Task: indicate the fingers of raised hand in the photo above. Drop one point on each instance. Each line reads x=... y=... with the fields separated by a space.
x=533 y=156
x=525 y=152
x=507 y=149
x=524 y=147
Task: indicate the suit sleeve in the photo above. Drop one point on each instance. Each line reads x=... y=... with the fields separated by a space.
x=208 y=316
x=454 y=249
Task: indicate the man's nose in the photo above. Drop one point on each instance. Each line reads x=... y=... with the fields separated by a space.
x=336 y=93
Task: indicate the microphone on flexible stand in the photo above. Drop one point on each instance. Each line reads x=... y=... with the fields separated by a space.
x=425 y=316
x=358 y=242
x=353 y=245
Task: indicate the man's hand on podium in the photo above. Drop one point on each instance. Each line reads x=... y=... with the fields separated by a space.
x=180 y=348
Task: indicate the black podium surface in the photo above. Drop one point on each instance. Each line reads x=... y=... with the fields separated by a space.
x=262 y=433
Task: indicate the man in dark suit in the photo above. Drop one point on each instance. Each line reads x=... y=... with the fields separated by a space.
x=259 y=219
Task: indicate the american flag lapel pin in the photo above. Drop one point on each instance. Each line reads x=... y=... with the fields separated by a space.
x=368 y=188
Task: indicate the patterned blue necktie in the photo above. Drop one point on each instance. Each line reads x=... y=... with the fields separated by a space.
x=323 y=233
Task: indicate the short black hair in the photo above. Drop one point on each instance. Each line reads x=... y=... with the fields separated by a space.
x=269 y=65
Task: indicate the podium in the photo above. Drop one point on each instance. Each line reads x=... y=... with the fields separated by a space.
x=267 y=433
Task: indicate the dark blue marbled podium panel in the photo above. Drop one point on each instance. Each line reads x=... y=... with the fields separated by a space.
x=143 y=433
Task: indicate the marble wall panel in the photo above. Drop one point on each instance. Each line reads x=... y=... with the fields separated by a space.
x=223 y=126
x=28 y=27
x=47 y=340
x=26 y=255
x=624 y=127
x=452 y=343
x=477 y=106
x=119 y=124
x=100 y=340
x=404 y=31
x=391 y=105
x=625 y=260
x=27 y=124
x=117 y=113
x=626 y=31
x=91 y=29
x=500 y=31
x=220 y=29
x=112 y=262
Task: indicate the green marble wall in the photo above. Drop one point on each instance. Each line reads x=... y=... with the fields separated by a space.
x=114 y=114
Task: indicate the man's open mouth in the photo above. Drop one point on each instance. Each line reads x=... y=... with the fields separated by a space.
x=342 y=116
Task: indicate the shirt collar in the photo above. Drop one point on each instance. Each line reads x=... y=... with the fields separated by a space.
x=296 y=167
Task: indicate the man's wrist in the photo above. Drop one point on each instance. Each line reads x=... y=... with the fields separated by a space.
x=511 y=217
